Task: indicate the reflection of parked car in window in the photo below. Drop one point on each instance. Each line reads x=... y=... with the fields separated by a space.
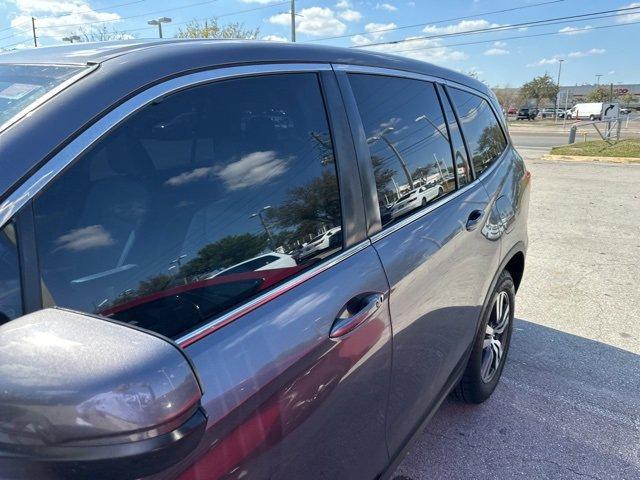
x=319 y=243
x=418 y=197
x=268 y=261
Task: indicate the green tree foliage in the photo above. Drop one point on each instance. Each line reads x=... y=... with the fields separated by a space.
x=224 y=253
x=598 y=94
x=627 y=99
x=212 y=29
x=310 y=207
x=540 y=89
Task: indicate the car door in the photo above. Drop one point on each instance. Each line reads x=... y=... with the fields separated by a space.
x=159 y=222
x=436 y=256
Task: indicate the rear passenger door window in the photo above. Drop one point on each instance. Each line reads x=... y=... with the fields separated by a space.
x=195 y=204
x=408 y=142
x=482 y=131
x=463 y=171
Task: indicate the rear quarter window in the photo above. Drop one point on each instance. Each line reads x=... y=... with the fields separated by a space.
x=481 y=128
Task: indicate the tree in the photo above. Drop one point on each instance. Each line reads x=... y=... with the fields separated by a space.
x=599 y=94
x=540 y=88
x=627 y=99
x=224 y=253
x=212 y=29
x=507 y=96
x=100 y=34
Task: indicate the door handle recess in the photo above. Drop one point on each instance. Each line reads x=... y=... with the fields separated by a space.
x=474 y=219
x=357 y=311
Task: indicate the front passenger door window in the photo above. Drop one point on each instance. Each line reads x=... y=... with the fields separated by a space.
x=195 y=204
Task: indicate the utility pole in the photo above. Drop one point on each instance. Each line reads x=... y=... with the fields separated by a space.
x=611 y=93
x=33 y=29
x=598 y=78
x=558 y=94
x=293 y=20
x=159 y=23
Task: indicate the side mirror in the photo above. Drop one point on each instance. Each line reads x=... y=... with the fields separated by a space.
x=86 y=397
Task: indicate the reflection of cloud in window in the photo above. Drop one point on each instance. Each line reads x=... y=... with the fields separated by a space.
x=85 y=238
x=190 y=176
x=252 y=169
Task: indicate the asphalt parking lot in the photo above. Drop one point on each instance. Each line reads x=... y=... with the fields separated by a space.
x=568 y=405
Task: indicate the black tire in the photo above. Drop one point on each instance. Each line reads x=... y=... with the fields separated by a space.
x=591 y=117
x=472 y=388
x=424 y=202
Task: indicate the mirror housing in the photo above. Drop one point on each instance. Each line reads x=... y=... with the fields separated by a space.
x=87 y=397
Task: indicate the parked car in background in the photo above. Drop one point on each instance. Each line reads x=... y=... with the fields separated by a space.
x=512 y=111
x=551 y=113
x=625 y=111
x=147 y=328
x=526 y=113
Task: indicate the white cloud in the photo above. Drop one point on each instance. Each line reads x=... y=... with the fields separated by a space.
x=575 y=30
x=80 y=239
x=496 y=51
x=314 y=21
x=593 y=51
x=190 y=176
x=411 y=4
x=463 y=26
x=275 y=38
x=377 y=30
x=350 y=15
x=630 y=17
x=343 y=4
x=424 y=49
x=545 y=61
x=252 y=169
x=360 y=40
x=499 y=44
x=386 y=6
x=261 y=2
x=58 y=18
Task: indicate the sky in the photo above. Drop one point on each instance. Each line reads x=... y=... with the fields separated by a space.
x=440 y=32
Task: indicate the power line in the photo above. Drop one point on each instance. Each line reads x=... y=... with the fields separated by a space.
x=76 y=13
x=479 y=42
x=625 y=11
x=403 y=27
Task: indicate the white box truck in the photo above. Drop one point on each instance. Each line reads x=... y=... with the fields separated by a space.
x=586 y=111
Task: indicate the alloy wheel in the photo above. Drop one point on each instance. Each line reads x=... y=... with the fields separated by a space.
x=495 y=336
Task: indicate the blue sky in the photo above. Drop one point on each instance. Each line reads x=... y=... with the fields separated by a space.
x=586 y=48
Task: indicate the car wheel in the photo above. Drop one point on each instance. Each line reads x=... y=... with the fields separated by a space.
x=490 y=348
x=591 y=117
x=424 y=201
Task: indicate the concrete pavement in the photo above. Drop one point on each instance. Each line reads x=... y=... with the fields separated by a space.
x=568 y=405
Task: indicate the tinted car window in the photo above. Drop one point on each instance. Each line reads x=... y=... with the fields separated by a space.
x=481 y=129
x=10 y=294
x=408 y=141
x=194 y=204
x=463 y=172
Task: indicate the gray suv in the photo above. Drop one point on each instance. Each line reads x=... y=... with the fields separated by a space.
x=224 y=259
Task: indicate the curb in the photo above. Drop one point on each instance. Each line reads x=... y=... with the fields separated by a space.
x=585 y=158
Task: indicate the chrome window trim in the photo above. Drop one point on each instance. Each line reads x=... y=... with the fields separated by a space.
x=389 y=72
x=265 y=297
x=85 y=70
x=50 y=170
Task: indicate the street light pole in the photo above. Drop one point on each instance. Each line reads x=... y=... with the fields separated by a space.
x=558 y=94
x=33 y=29
x=395 y=151
x=293 y=20
x=264 y=224
x=159 y=23
x=598 y=78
